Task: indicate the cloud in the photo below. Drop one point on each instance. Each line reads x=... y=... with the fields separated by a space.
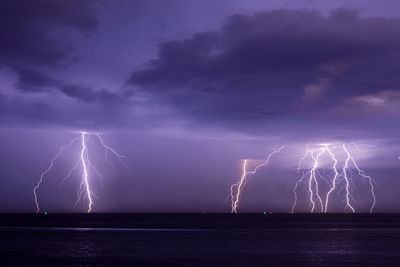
x=44 y=110
x=385 y=99
x=32 y=80
x=316 y=90
x=87 y=94
x=257 y=68
x=373 y=115
x=31 y=44
x=27 y=29
x=275 y=71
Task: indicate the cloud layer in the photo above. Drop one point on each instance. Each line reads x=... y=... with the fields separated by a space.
x=276 y=65
x=280 y=71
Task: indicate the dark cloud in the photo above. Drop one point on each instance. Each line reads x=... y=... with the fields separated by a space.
x=275 y=65
x=87 y=94
x=32 y=80
x=27 y=29
x=52 y=111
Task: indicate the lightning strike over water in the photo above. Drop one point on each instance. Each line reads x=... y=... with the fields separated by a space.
x=42 y=176
x=237 y=188
x=88 y=168
x=340 y=178
x=85 y=160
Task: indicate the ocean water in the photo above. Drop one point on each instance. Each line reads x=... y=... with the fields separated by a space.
x=200 y=240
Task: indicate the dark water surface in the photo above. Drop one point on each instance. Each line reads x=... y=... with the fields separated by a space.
x=200 y=239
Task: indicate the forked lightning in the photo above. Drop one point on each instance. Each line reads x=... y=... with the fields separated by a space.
x=237 y=188
x=85 y=189
x=338 y=176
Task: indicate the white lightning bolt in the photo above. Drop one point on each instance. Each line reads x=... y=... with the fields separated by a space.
x=41 y=178
x=301 y=178
x=237 y=188
x=312 y=178
x=120 y=157
x=40 y=181
x=84 y=160
x=336 y=178
x=87 y=167
x=371 y=184
x=362 y=174
x=295 y=191
x=236 y=196
x=346 y=178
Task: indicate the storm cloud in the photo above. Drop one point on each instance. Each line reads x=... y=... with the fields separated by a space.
x=277 y=64
x=27 y=30
x=188 y=89
x=31 y=34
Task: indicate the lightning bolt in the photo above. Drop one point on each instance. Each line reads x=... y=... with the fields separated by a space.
x=85 y=161
x=120 y=157
x=237 y=188
x=346 y=178
x=236 y=196
x=362 y=174
x=87 y=168
x=335 y=179
x=36 y=187
x=40 y=181
x=295 y=191
x=313 y=178
x=301 y=178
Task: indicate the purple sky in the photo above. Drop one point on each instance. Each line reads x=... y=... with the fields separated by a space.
x=187 y=89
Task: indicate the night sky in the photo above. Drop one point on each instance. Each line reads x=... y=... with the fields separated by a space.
x=187 y=90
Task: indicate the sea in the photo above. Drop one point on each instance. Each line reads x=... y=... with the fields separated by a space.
x=200 y=239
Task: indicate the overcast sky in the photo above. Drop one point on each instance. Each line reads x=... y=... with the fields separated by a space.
x=187 y=90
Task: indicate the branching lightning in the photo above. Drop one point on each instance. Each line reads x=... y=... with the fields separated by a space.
x=85 y=162
x=42 y=176
x=237 y=188
x=325 y=170
x=88 y=168
x=338 y=176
